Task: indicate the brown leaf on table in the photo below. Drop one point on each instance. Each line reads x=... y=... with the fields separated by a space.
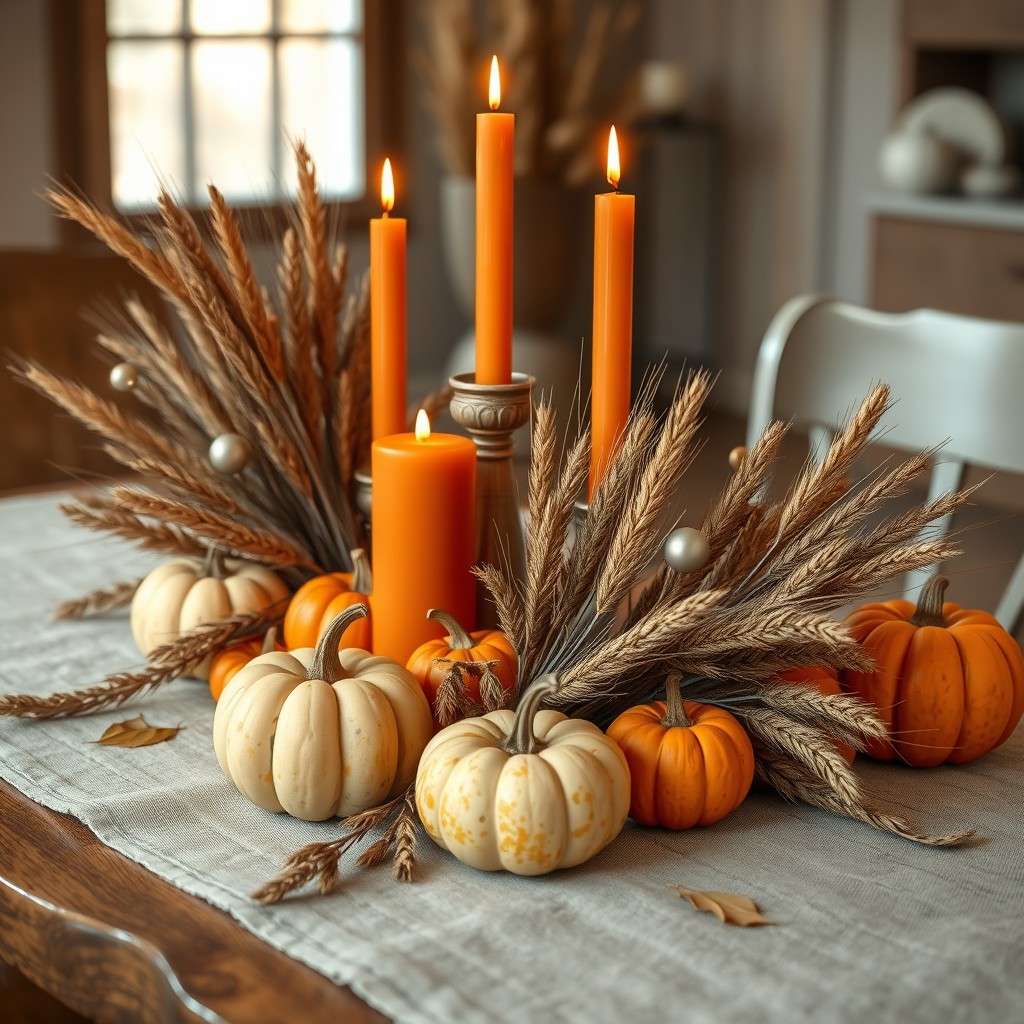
x=136 y=732
x=726 y=906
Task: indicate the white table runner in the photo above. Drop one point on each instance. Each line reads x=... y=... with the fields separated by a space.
x=869 y=927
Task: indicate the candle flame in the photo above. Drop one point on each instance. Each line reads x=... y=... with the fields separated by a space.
x=387 y=187
x=494 y=93
x=613 y=159
x=422 y=425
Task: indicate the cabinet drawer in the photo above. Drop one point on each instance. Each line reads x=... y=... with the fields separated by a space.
x=959 y=25
x=975 y=271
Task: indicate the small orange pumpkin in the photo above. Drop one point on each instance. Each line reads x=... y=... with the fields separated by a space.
x=824 y=680
x=948 y=682
x=319 y=601
x=690 y=764
x=226 y=663
x=458 y=645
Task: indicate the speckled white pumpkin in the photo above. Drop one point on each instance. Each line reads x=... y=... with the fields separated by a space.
x=527 y=792
x=186 y=592
x=316 y=733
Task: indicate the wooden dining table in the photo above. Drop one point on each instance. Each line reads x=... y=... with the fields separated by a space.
x=136 y=906
x=113 y=941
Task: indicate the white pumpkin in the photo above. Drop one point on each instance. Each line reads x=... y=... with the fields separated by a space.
x=317 y=733
x=526 y=792
x=187 y=592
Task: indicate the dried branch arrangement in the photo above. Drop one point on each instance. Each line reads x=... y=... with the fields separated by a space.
x=759 y=605
x=290 y=377
x=559 y=51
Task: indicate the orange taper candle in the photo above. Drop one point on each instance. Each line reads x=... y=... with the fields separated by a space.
x=613 y=317
x=387 y=314
x=495 y=134
x=424 y=536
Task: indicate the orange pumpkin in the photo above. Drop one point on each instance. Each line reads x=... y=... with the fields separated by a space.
x=226 y=663
x=948 y=682
x=319 y=601
x=458 y=645
x=824 y=680
x=690 y=764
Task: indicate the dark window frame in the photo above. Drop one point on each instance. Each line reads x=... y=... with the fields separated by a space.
x=82 y=124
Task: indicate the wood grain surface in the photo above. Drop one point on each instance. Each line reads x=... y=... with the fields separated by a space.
x=114 y=942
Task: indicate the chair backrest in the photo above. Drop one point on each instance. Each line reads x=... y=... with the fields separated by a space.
x=951 y=377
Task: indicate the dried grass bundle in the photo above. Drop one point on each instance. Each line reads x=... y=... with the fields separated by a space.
x=557 y=58
x=760 y=605
x=291 y=379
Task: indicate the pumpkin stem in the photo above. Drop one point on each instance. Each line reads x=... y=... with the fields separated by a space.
x=362 y=577
x=675 y=711
x=269 y=640
x=326 y=663
x=458 y=638
x=522 y=739
x=929 y=604
x=213 y=564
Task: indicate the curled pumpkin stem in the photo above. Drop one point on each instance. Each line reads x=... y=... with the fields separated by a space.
x=326 y=663
x=929 y=604
x=458 y=638
x=362 y=576
x=523 y=739
x=213 y=563
x=675 y=710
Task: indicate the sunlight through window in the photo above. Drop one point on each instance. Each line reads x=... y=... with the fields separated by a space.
x=213 y=90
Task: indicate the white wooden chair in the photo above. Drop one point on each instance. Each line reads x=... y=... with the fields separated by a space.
x=951 y=377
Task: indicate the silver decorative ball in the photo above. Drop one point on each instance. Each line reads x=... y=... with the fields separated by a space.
x=230 y=453
x=736 y=457
x=124 y=377
x=686 y=549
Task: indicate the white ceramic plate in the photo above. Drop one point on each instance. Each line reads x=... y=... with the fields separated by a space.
x=960 y=117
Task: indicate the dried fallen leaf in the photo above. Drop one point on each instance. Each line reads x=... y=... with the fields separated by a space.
x=726 y=906
x=136 y=732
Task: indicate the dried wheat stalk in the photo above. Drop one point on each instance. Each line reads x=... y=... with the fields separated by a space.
x=318 y=862
x=168 y=662
x=150 y=536
x=98 y=602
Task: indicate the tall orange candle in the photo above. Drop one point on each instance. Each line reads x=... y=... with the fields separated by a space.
x=387 y=314
x=613 y=317
x=424 y=536
x=495 y=134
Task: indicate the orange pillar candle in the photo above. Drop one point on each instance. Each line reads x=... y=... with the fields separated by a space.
x=424 y=536
x=495 y=134
x=613 y=318
x=387 y=314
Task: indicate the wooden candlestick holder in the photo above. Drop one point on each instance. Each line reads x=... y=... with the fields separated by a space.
x=491 y=414
x=364 y=492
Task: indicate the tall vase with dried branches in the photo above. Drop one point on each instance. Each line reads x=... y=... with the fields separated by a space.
x=561 y=64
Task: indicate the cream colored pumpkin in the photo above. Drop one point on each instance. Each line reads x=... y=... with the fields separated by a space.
x=317 y=733
x=186 y=592
x=526 y=792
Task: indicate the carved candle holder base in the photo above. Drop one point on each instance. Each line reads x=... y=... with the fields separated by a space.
x=491 y=414
x=364 y=492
